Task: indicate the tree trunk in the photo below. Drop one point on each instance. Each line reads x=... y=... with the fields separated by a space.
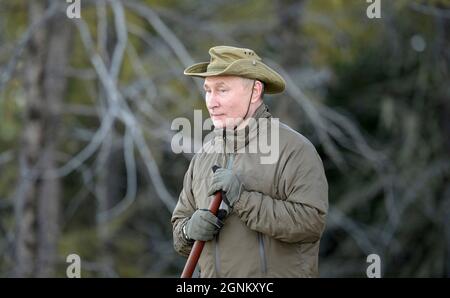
x=37 y=200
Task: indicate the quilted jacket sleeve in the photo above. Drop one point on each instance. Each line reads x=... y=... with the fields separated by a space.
x=300 y=217
x=182 y=212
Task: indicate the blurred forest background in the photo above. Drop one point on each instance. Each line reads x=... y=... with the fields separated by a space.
x=86 y=107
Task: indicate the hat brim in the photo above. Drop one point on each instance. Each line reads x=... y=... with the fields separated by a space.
x=247 y=68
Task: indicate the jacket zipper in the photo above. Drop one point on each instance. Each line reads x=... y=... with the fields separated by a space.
x=262 y=254
x=228 y=163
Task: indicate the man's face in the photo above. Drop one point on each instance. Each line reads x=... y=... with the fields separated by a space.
x=227 y=99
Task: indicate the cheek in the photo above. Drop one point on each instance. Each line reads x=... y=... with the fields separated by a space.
x=233 y=105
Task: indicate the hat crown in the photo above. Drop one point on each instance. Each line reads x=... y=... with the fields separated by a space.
x=241 y=62
x=223 y=56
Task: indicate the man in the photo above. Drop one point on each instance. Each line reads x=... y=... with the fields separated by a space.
x=275 y=211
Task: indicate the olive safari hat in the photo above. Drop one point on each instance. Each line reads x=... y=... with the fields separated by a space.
x=232 y=61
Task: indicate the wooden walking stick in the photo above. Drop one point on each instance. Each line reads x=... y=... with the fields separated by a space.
x=197 y=248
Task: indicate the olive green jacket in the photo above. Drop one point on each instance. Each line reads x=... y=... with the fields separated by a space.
x=275 y=227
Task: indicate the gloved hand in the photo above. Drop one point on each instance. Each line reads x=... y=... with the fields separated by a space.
x=226 y=180
x=203 y=225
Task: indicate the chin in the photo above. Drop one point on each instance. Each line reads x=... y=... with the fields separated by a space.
x=221 y=122
x=218 y=124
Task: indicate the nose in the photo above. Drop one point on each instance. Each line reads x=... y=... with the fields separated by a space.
x=211 y=100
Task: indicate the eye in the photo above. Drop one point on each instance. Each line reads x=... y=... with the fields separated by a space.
x=223 y=90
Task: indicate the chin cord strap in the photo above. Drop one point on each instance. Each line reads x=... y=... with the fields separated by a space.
x=248 y=107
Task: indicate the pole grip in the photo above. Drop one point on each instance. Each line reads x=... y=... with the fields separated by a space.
x=197 y=248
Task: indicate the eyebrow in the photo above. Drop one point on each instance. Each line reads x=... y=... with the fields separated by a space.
x=219 y=84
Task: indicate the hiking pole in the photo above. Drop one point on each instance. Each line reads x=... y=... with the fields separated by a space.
x=197 y=248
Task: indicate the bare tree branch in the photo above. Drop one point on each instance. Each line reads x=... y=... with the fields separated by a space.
x=313 y=114
x=164 y=32
x=130 y=196
x=430 y=10
x=8 y=71
x=119 y=50
x=126 y=116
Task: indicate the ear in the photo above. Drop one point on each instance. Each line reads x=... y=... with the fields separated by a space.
x=257 y=91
